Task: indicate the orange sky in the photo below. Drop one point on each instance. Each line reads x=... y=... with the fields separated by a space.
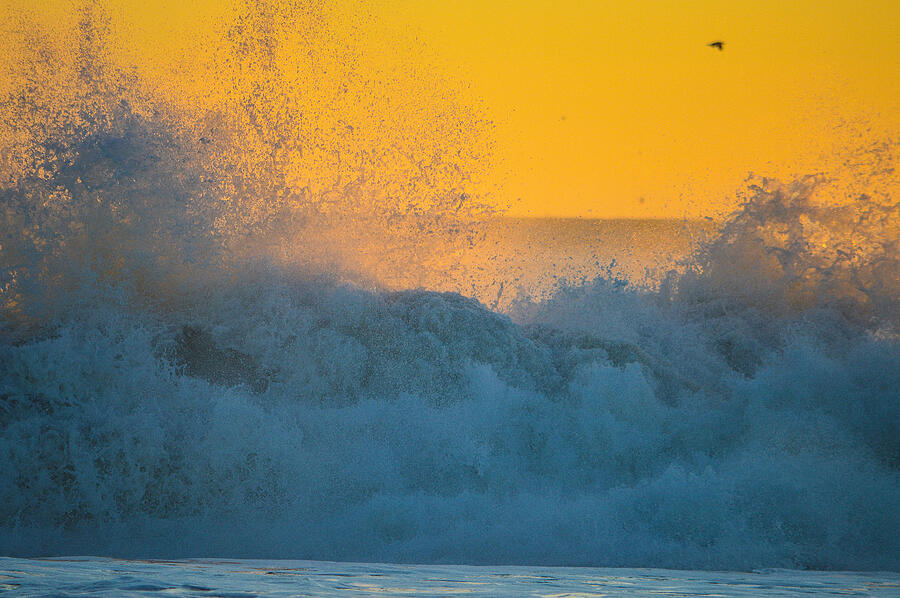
x=606 y=109
x=619 y=109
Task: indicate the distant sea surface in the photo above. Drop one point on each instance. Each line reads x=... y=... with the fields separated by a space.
x=534 y=256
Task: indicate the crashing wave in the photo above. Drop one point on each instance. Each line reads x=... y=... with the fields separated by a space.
x=174 y=384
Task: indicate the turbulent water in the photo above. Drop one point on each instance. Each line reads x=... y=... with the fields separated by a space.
x=196 y=362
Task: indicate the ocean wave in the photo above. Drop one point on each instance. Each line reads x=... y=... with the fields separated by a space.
x=174 y=383
x=300 y=417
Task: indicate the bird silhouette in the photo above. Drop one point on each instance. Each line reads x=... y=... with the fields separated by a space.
x=717 y=45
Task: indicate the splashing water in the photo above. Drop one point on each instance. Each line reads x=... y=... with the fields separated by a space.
x=315 y=162
x=206 y=352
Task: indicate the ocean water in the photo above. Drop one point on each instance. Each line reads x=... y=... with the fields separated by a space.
x=200 y=359
x=248 y=578
x=735 y=417
x=534 y=258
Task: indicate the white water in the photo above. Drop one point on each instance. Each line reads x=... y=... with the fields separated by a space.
x=293 y=417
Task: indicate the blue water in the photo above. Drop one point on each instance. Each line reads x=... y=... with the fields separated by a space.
x=299 y=418
x=245 y=579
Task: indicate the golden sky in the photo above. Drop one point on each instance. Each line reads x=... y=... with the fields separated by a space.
x=603 y=109
x=619 y=109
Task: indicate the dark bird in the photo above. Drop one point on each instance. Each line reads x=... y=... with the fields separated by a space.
x=717 y=45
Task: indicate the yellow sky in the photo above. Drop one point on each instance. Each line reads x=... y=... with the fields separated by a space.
x=619 y=109
x=611 y=109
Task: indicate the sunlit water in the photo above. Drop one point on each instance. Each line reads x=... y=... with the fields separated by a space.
x=535 y=257
x=247 y=578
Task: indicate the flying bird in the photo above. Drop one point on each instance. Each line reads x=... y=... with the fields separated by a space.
x=717 y=45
